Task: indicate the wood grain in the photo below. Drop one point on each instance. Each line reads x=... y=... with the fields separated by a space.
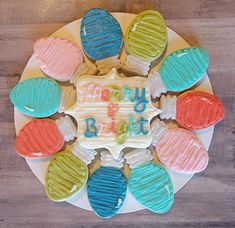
x=208 y=200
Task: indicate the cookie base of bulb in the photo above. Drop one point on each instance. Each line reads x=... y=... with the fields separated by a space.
x=136 y=65
x=67 y=128
x=87 y=68
x=105 y=65
x=156 y=85
x=158 y=129
x=69 y=96
x=168 y=107
x=107 y=160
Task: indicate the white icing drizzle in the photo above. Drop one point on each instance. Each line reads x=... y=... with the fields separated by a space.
x=136 y=65
x=107 y=159
x=87 y=68
x=138 y=157
x=156 y=85
x=158 y=129
x=168 y=107
x=86 y=155
x=105 y=65
x=67 y=128
x=69 y=95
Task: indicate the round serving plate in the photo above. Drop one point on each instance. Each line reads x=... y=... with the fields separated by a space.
x=71 y=32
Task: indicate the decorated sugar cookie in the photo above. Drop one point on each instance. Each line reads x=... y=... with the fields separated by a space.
x=101 y=37
x=113 y=112
x=149 y=182
x=41 y=138
x=179 y=71
x=194 y=110
x=107 y=186
x=66 y=175
x=145 y=41
x=37 y=97
x=178 y=149
x=58 y=58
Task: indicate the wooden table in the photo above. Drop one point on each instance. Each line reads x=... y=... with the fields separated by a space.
x=207 y=201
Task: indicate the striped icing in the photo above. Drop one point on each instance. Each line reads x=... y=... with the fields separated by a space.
x=66 y=127
x=106 y=159
x=168 y=107
x=40 y=138
x=57 y=58
x=181 y=151
x=86 y=155
x=101 y=34
x=151 y=186
x=105 y=65
x=106 y=190
x=197 y=110
x=37 y=97
x=184 y=68
x=146 y=36
x=69 y=96
x=66 y=175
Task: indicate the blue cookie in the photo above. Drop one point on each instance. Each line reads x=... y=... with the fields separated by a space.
x=107 y=191
x=37 y=97
x=101 y=34
x=151 y=186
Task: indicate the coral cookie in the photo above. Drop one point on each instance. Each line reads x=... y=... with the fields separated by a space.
x=101 y=37
x=179 y=71
x=180 y=150
x=66 y=175
x=194 y=110
x=106 y=190
x=151 y=186
x=145 y=41
x=38 y=97
x=57 y=58
x=39 y=138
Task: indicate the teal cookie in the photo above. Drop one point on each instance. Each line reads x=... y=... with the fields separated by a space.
x=37 y=97
x=184 y=68
x=151 y=186
x=106 y=190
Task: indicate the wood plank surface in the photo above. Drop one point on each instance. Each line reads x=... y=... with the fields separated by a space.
x=208 y=200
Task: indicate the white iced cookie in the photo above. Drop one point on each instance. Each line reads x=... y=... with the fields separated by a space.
x=105 y=65
x=106 y=159
x=113 y=112
x=68 y=98
x=168 y=107
x=86 y=155
x=67 y=128
x=137 y=157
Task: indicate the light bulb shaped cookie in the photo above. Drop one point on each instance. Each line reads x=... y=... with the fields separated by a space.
x=101 y=37
x=149 y=182
x=41 y=138
x=194 y=110
x=180 y=70
x=145 y=41
x=178 y=149
x=58 y=58
x=107 y=186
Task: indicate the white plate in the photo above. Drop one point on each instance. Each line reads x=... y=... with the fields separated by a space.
x=71 y=32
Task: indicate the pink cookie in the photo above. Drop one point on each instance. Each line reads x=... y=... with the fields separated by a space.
x=180 y=150
x=57 y=58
